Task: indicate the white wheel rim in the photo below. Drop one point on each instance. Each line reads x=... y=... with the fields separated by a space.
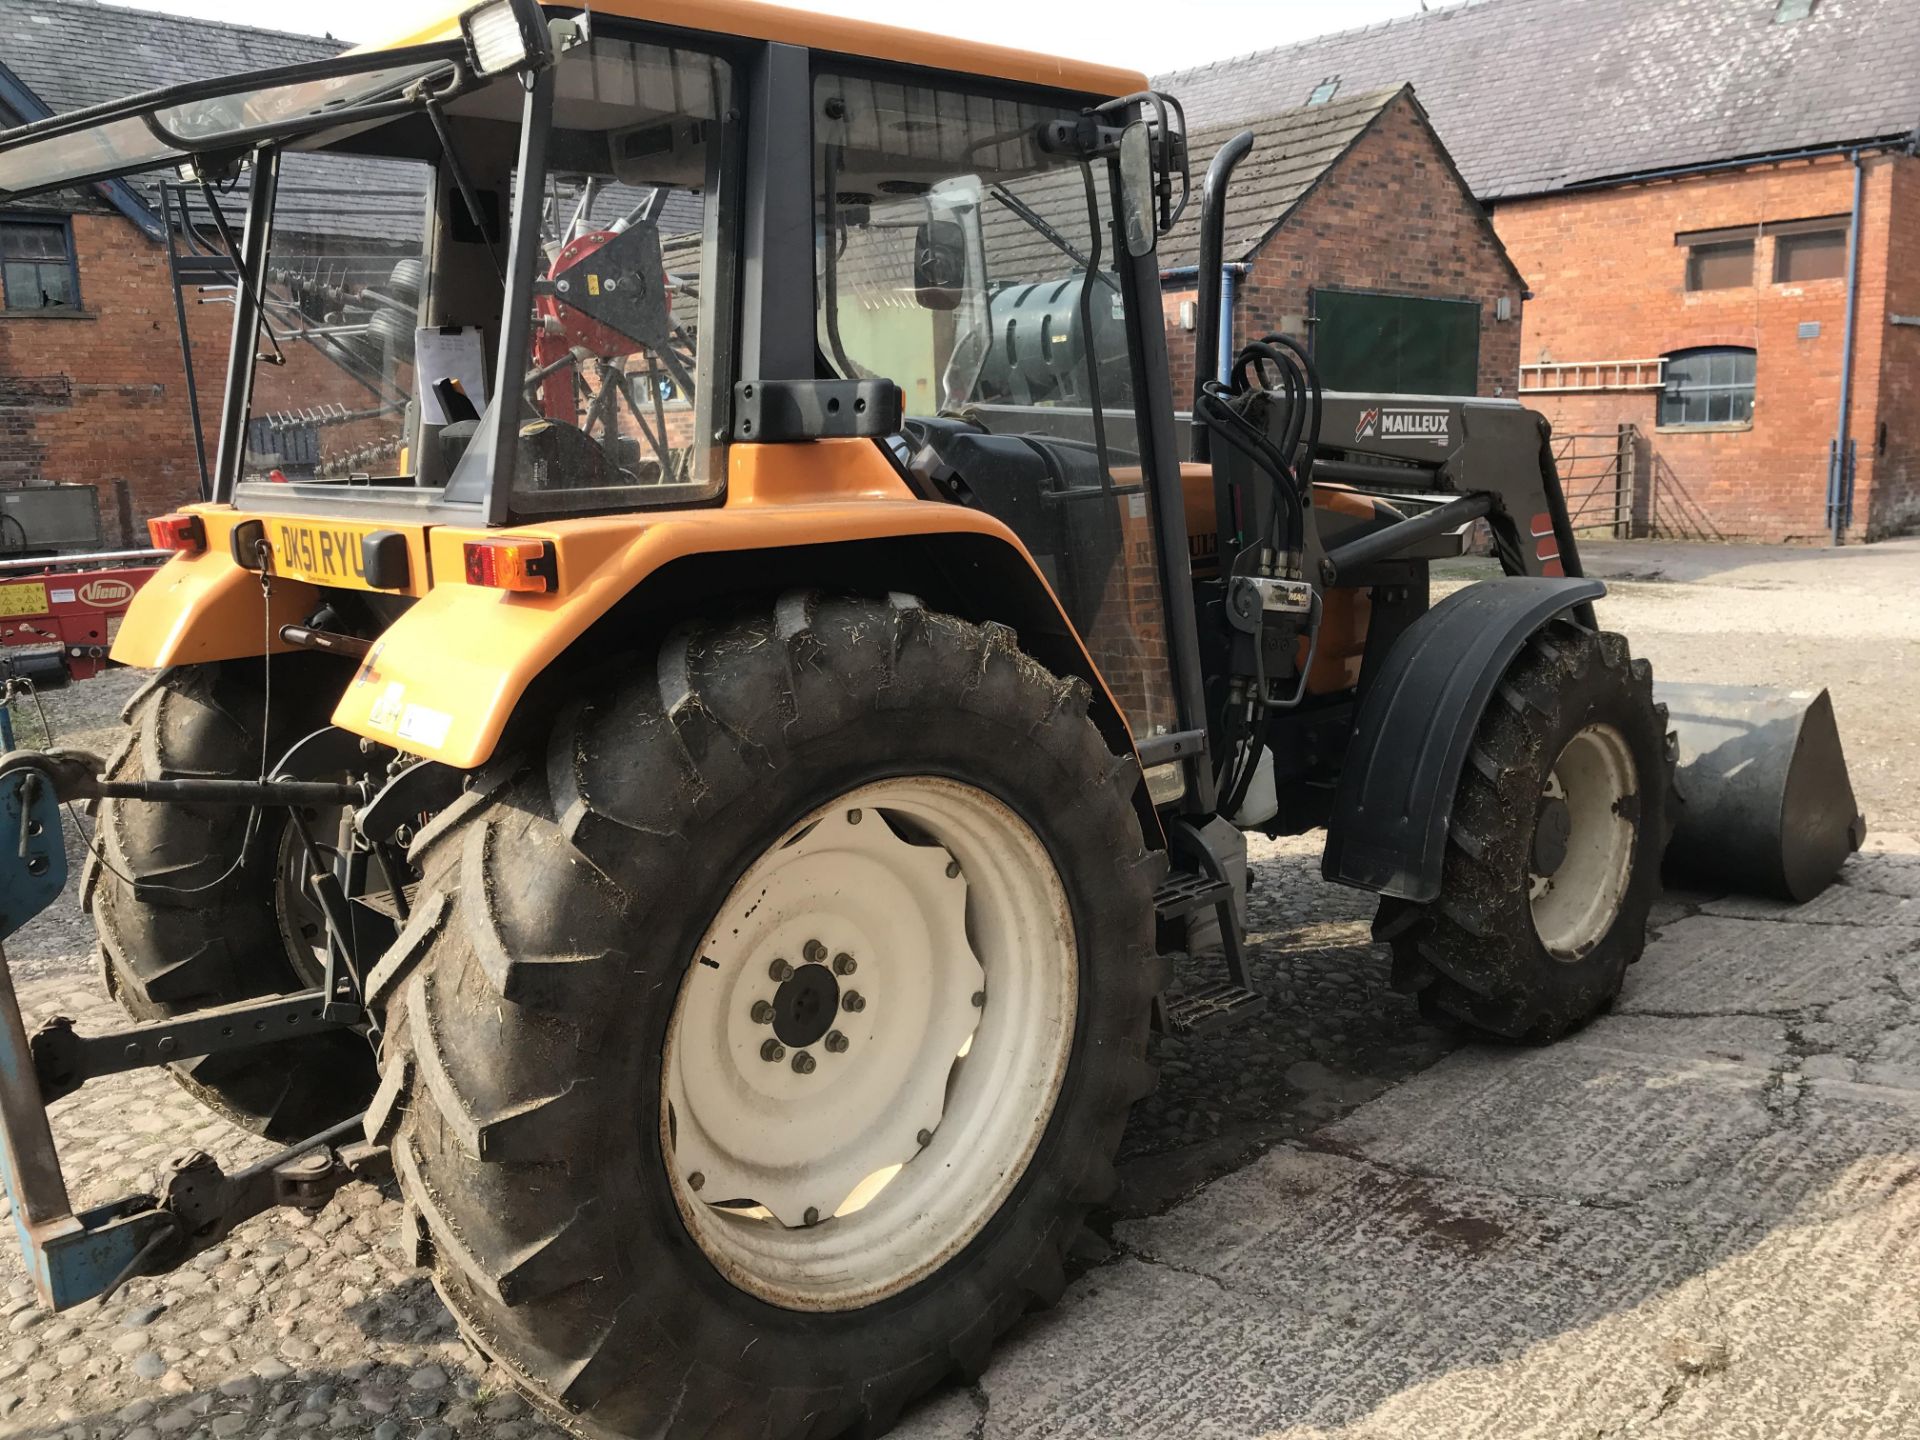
x=848 y=1205
x=1574 y=906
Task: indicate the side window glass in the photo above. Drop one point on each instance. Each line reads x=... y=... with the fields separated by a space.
x=982 y=274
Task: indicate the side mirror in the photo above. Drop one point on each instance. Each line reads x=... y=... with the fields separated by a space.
x=940 y=264
x=1137 y=188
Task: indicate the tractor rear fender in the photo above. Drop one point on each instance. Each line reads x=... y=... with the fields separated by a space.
x=1389 y=825
x=448 y=675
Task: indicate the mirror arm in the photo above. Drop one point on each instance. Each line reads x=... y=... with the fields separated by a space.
x=1170 y=131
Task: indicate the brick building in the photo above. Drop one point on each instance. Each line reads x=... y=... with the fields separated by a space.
x=1350 y=226
x=1679 y=181
x=92 y=380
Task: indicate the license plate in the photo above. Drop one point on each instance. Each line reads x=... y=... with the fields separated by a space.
x=322 y=551
x=23 y=599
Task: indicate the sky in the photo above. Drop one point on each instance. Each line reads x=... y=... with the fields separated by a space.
x=1132 y=33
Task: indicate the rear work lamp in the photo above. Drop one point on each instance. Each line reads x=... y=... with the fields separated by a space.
x=505 y=35
x=528 y=567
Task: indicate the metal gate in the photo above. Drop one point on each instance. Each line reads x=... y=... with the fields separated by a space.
x=1596 y=475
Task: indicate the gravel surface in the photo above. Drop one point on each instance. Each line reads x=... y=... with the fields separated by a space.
x=323 y=1325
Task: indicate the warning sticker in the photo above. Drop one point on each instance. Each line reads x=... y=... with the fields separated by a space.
x=424 y=726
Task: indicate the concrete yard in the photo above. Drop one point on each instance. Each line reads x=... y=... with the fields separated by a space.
x=1695 y=1218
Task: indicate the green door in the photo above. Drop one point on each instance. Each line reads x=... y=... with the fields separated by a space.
x=1396 y=344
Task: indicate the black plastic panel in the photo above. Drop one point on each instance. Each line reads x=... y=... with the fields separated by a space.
x=778 y=412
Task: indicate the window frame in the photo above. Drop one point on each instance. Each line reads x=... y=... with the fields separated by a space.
x=1786 y=232
x=49 y=220
x=1700 y=246
x=1708 y=388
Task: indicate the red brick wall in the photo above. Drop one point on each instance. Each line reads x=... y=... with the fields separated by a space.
x=1609 y=284
x=101 y=398
x=1893 y=504
x=1392 y=217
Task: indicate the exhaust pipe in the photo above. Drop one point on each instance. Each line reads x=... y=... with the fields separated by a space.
x=1767 y=807
x=1212 y=278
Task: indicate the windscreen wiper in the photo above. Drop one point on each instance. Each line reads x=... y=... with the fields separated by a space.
x=1060 y=242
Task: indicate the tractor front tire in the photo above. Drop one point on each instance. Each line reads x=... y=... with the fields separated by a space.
x=842 y=886
x=190 y=901
x=1561 y=818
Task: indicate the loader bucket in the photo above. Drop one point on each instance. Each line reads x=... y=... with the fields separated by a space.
x=1768 y=808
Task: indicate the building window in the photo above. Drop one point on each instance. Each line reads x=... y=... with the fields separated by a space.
x=1808 y=250
x=1718 y=263
x=1324 y=91
x=1708 y=387
x=36 y=265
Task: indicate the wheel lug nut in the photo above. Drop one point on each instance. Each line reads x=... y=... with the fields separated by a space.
x=803 y=1063
x=812 y=1217
x=953 y=869
x=843 y=964
x=780 y=971
x=762 y=1012
x=836 y=1042
x=816 y=952
x=925 y=1137
x=853 y=1002
x=979 y=999
x=853 y=817
x=773 y=1051
x=697 y=1181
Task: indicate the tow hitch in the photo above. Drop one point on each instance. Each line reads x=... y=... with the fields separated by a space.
x=73 y=1258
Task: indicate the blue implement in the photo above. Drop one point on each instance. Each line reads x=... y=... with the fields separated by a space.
x=70 y=1257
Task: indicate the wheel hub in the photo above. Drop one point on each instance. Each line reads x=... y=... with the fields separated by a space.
x=805 y=1006
x=1585 y=832
x=1551 y=831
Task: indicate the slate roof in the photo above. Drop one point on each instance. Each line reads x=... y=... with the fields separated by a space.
x=1292 y=150
x=1532 y=96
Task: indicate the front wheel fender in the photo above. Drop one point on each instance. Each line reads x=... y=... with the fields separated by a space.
x=1389 y=826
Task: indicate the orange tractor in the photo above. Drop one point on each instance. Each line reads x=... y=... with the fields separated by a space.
x=714 y=704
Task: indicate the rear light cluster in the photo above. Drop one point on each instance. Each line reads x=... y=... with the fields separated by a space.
x=529 y=567
x=180 y=533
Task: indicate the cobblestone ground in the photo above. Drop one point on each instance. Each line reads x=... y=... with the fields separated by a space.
x=321 y=1326
x=299 y=1325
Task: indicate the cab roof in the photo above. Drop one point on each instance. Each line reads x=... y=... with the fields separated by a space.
x=752 y=20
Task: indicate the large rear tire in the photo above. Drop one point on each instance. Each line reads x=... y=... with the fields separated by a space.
x=1562 y=816
x=192 y=903
x=638 y=1195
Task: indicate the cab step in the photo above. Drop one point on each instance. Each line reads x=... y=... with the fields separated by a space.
x=1213 y=1006
x=1184 y=892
